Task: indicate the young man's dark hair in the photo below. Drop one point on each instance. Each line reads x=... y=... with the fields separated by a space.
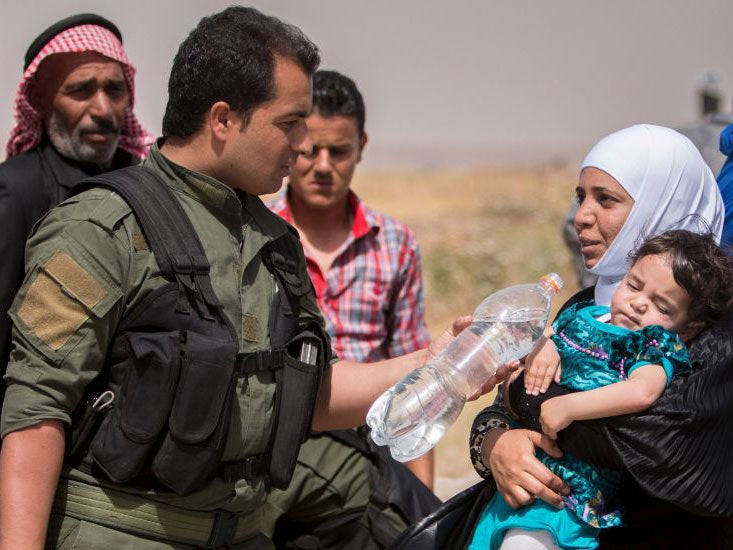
x=230 y=56
x=337 y=95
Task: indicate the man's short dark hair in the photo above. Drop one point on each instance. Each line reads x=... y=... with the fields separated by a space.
x=337 y=95
x=230 y=56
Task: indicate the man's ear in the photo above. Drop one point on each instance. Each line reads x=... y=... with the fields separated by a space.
x=221 y=120
x=692 y=329
x=362 y=143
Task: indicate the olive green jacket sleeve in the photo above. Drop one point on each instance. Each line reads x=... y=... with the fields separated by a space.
x=66 y=312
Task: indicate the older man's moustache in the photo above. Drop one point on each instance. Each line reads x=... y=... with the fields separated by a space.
x=101 y=128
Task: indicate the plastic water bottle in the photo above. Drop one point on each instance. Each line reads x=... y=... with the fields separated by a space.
x=412 y=416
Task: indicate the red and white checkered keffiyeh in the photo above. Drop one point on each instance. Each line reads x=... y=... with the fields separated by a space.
x=28 y=128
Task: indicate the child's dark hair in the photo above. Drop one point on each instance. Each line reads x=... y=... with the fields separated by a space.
x=699 y=266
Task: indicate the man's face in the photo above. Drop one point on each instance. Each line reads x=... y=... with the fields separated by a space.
x=82 y=98
x=320 y=180
x=261 y=153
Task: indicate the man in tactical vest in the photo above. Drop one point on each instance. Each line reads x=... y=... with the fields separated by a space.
x=168 y=353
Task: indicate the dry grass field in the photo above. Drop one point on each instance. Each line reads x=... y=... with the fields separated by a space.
x=478 y=231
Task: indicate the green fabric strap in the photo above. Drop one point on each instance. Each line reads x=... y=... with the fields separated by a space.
x=148 y=518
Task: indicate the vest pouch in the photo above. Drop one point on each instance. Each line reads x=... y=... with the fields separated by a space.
x=199 y=419
x=298 y=389
x=122 y=445
x=85 y=422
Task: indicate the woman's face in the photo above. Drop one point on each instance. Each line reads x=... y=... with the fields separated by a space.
x=603 y=208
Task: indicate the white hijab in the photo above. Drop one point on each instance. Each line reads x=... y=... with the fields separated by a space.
x=672 y=188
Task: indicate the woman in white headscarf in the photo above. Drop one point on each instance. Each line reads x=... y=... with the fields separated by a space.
x=669 y=184
x=636 y=183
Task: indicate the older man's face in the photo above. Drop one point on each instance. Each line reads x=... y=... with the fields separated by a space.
x=82 y=98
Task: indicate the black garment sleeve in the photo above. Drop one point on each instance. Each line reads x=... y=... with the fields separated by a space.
x=587 y=440
x=16 y=226
x=653 y=523
x=23 y=201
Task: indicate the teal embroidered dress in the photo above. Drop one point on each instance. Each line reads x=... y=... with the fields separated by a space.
x=593 y=354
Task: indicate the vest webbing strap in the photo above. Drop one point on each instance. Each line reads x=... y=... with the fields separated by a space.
x=258 y=361
x=167 y=228
x=141 y=516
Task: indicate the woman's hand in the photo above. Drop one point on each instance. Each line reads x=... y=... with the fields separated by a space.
x=520 y=477
x=542 y=365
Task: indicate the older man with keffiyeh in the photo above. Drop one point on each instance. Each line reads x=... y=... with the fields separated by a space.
x=73 y=119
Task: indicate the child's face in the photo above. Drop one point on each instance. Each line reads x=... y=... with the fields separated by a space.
x=649 y=295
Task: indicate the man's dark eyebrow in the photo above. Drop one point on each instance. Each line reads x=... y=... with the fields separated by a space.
x=299 y=114
x=332 y=146
x=79 y=84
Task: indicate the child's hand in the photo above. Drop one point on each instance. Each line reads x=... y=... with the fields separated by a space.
x=542 y=365
x=554 y=416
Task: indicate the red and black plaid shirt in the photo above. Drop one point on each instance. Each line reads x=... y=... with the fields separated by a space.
x=372 y=296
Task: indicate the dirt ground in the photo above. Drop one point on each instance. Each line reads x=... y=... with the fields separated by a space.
x=478 y=231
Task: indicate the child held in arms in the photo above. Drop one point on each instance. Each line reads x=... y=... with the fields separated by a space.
x=620 y=359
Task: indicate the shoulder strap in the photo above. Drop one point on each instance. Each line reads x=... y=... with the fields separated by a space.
x=279 y=257
x=166 y=226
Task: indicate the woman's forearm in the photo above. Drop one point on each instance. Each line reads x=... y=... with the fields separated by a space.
x=494 y=416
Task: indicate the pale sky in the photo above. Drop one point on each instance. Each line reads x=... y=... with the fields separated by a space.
x=480 y=80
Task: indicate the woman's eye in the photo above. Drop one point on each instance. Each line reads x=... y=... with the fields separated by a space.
x=605 y=198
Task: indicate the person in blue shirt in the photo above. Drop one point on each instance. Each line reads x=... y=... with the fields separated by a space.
x=725 y=184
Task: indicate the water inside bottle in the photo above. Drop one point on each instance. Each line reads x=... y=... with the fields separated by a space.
x=415 y=414
x=514 y=333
